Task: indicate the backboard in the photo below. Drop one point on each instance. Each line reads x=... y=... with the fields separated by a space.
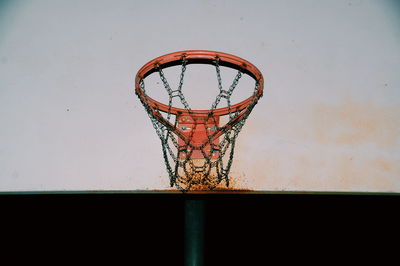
x=328 y=121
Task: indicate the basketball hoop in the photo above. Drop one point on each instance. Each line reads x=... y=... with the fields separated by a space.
x=194 y=143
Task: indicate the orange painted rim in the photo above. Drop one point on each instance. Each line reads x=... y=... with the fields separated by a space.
x=193 y=55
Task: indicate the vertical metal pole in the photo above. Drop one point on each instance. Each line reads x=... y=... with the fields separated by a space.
x=194 y=232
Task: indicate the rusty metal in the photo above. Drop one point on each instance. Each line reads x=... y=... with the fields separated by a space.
x=195 y=143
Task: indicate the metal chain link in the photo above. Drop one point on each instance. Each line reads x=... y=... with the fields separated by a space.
x=178 y=92
x=223 y=93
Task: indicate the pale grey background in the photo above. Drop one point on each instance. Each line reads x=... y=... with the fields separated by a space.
x=329 y=119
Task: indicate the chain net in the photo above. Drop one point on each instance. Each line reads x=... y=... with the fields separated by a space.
x=192 y=165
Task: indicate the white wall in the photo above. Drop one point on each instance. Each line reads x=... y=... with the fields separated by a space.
x=329 y=119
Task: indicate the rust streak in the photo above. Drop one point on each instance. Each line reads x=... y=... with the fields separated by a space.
x=352 y=123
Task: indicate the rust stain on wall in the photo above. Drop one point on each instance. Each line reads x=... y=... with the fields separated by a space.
x=347 y=173
x=340 y=171
x=345 y=146
x=351 y=123
x=386 y=165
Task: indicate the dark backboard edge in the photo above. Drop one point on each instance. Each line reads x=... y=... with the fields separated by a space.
x=205 y=192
